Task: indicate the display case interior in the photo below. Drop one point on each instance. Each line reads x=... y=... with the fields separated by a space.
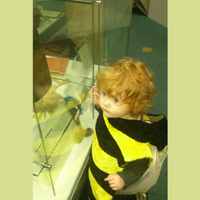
x=63 y=73
x=57 y=115
x=104 y=25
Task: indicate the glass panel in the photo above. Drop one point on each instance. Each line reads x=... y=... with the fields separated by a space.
x=69 y=38
x=61 y=81
x=116 y=24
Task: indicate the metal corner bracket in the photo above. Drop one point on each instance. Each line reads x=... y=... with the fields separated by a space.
x=47 y=166
x=97 y=1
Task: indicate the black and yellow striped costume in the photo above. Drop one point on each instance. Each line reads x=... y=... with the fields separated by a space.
x=117 y=142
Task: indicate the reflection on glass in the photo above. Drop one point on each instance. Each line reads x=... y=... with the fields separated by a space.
x=58 y=113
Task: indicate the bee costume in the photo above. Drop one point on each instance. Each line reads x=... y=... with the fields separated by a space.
x=123 y=147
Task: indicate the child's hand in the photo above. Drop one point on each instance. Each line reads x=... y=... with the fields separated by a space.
x=96 y=94
x=115 y=181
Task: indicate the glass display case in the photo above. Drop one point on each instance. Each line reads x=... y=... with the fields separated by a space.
x=72 y=41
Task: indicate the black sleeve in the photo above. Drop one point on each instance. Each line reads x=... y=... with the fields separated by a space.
x=134 y=171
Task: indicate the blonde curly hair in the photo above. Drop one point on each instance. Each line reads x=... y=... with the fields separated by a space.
x=131 y=82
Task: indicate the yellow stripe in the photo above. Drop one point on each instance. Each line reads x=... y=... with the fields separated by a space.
x=128 y=145
x=102 y=160
x=98 y=192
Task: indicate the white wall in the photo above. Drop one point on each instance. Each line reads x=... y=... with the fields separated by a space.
x=158 y=11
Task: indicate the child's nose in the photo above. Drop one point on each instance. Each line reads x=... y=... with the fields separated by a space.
x=107 y=102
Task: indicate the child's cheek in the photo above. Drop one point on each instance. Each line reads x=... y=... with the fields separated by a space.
x=116 y=112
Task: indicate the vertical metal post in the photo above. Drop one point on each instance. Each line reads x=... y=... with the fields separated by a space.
x=98 y=43
x=131 y=4
x=93 y=52
x=99 y=37
x=115 y=31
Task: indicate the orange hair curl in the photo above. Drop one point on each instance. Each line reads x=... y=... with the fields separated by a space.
x=131 y=82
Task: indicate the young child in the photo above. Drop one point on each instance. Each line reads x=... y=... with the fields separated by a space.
x=121 y=149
